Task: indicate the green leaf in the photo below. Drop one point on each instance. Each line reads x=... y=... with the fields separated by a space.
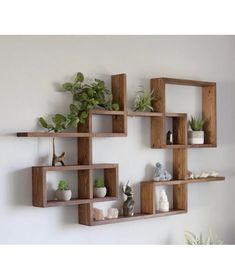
x=115 y=107
x=79 y=77
x=42 y=122
x=73 y=108
x=67 y=86
x=58 y=119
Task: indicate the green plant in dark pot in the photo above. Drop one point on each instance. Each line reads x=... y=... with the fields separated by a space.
x=100 y=190
x=63 y=192
x=196 y=135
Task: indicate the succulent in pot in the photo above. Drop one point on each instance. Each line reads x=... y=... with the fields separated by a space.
x=63 y=193
x=100 y=190
x=196 y=136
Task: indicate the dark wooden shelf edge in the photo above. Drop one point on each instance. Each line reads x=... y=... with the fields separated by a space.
x=176 y=81
x=78 y=167
x=143 y=114
x=175 y=114
x=106 y=112
x=68 y=135
x=188 y=181
x=52 y=203
x=139 y=217
x=175 y=146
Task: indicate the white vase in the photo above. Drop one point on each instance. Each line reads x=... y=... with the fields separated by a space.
x=164 y=203
x=99 y=192
x=63 y=195
x=196 y=137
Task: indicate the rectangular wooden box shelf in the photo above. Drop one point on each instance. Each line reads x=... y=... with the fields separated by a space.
x=78 y=167
x=139 y=216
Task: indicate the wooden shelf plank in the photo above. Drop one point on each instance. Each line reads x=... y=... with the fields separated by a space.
x=78 y=167
x=174 y=182
x=76 y=201
x=175 y=146
x=143 y=114
x=139 y=216
x=175 y=114
x=201 y=145
x=187 y=82
x=68 y=135
x=106 y=112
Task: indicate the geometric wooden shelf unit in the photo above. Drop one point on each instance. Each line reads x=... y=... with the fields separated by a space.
x=85 y=167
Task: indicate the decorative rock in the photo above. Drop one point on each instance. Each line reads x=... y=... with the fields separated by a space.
x=161 y=174
x=213 y=174
x=112 y=213
x=98 y=214
x=204 y=175
x=190 y=175
x=164 y=203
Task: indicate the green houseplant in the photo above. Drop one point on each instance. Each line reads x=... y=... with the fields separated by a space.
x=63 y=192
x=196 y=135
x=192 y=239
x=143 y=101
x=100 y=190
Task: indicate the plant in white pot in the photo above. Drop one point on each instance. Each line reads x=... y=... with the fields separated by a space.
x=63 y=193
x=100 y=190
x=196 y=136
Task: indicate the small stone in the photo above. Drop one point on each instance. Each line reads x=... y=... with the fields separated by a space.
x=214 y=174
x=204 y=175
x=190 y=175
x=98 y=214
x=161 y=174
x=112 y=213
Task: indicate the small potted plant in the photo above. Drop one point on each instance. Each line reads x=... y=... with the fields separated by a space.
x=196 y=136
x=143 y=101
x=99 y=190
x=63 y=193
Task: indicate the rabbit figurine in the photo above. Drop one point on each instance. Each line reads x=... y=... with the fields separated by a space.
x=128 y=206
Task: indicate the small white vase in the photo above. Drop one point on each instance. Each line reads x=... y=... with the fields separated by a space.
x=196 y=137
x=164 y=203
x=100 y=192
x=63 y=195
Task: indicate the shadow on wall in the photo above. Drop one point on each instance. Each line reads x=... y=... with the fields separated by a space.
x=20 y=187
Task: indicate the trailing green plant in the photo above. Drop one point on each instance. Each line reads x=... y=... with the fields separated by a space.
x=196 y=124
x=192 y=239
x=63 y=185
x=143 y=101
x=99 y=183
x=85 y=97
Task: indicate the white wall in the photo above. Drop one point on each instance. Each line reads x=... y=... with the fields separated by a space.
x=31 y=69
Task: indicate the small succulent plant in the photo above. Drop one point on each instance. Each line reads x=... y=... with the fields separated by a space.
x=143 y=101
x=99 y=183
x=192 y=239
x=196 y=124
x=63 y=185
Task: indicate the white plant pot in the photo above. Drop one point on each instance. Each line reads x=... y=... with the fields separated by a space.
x=196 y=137
x=100 y=192
x=63 y=195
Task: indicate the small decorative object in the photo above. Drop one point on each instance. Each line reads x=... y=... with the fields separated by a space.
x=192 y=239
x=197 y=176
x=63 y=193
x=190 y=175
x=143 y=101
x=196 y=136
x=112 y=213
x=163 y=203
x=55 y=158
x=99 y=190
x=169 y=137
x=161 y=174
x=213 y=174
x=98 y=214
x=129 y=204
x=204 y=175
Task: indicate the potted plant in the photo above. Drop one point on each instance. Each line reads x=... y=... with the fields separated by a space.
x=63 y=193
x=99 y=189
x=143 y=101
x=196 y=136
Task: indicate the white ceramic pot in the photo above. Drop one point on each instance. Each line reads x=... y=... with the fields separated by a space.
x=100 y=192
x=63 y=195
x=196 y=137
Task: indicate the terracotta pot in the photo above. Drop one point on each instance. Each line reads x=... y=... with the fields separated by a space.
x=63 y=195
x=196 y=137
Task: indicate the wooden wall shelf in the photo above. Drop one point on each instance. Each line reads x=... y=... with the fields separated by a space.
x=85 y=167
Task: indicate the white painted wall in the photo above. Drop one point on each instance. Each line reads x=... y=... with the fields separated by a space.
x=31 y=69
